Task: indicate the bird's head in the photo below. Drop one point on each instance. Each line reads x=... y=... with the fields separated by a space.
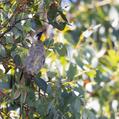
x=40 y=34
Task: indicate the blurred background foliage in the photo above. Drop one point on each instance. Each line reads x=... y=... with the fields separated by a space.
x=80 y=79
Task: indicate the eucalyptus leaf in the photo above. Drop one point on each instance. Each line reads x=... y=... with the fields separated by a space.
x=71 y=71
x=1 y=74
x=87 y=114
x=41 y=84
x=60 y=49
x=49 y=43
x=2 y=51
x=17 y=60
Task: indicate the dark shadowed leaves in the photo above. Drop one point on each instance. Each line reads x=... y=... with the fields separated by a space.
x=48 y=43
x=60 y=49
x=53 y=15
x=17 y=60
x=71 y=71
x=87 y=114
x=2 y=51
x=41 y=83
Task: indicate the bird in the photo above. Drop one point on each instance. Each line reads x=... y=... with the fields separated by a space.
x=36 y=56
x=33 y=62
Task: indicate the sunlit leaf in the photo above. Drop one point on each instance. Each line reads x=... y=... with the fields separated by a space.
x=91 y=73
x=1 y=74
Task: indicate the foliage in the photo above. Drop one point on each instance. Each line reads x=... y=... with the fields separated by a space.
x=80 y=78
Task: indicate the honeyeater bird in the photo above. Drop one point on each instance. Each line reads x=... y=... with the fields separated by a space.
x=36 y=56
x=32 y=65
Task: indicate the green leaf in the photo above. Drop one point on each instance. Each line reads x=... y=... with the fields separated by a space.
x=87 y=114
x=91 y=73
x=53 y=14
x=17 y=60
x=63 y=16
x=51 y=75
x=27 y=26
x=59 y=25
x=79 y=60
x=60 y=49
x=30 y=97
x=103 y=117
x=2 y=51
x=41 y=83
x=1 y=74
x=22 y=52
x=49 y=42
x=76 y=105
x=71 y=71
x=36 y=22
x=4 y=84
